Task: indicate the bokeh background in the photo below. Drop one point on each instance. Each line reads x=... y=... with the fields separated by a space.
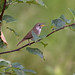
x=59 y=54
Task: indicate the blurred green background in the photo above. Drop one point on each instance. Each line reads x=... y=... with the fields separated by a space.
x=59 y=54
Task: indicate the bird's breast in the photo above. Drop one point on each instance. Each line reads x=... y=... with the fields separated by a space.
x=38 y=30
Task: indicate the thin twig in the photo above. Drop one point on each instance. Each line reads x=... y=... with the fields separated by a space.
x=38 y=40
x=7 y=72
x=60 y=29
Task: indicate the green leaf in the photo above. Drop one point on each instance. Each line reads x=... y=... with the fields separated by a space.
x=2 y=69
x=14 y=68
x=35 y=37
x=44 y=44
x=19 y=69
x=26 y=1
x=40 y=2
x=17 y=65
x=2 y=73
x=21 y=1
x=72 y=11
x=8 y=18
x=35 y=51
x=27 y=71
x=9 y=1
x=72 y=28
x=13 y=31
x=19 y=72
x=42 y=36
x=4 y=63
x=30 y=1
x=57 y=23
x=64 y=19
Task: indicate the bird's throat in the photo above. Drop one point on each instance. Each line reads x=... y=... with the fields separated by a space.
x=38 y=30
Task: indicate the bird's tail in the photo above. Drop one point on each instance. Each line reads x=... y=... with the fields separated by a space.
x=21 y=41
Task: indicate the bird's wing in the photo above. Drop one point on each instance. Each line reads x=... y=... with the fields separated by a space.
x=28 y=36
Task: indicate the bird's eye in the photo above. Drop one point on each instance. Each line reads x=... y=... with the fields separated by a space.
x=39 y=24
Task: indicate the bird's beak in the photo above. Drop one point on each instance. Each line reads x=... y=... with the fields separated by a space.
x=42 y=25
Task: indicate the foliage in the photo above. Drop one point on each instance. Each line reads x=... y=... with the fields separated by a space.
x=36 y=38
x=39 y=2
x=73 y=13
x=44 y=44
x=8 y=18
x=60 y=22
x=13 y=31
x=35 y=51
x=6 y=67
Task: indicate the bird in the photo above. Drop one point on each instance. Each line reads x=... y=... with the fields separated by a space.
x=37 y=29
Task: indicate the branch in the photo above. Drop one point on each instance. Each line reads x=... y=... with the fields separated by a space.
x=38 y=40
x=7 y=72
x=2 y=15
x=3 y=10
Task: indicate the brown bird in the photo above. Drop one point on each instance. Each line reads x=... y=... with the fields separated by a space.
x=37 y=29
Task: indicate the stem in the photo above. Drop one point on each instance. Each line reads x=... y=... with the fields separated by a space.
x=38 y=40
x=7 y=72
x=3 y=10
x=2 y=15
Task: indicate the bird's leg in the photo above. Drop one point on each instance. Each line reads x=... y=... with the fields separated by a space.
x=29 y=41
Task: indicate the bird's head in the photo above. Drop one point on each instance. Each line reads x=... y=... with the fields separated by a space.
x=39 y=25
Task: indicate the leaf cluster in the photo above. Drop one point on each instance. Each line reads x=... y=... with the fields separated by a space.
x=6 y=68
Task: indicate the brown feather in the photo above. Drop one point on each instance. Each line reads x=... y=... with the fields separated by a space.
x=29 y=34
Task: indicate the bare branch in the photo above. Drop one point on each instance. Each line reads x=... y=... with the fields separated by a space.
x=2 y=15
x=3 y=10
x=38 y=40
